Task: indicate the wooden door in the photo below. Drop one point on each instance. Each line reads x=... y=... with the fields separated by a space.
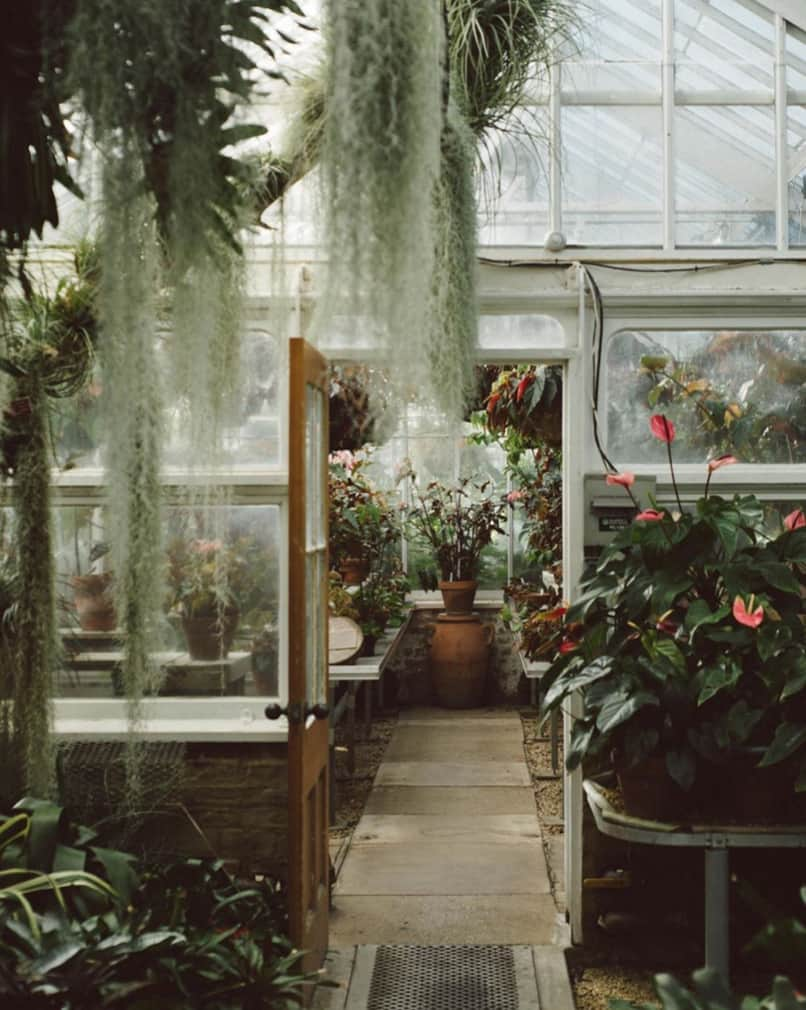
x=308 y=861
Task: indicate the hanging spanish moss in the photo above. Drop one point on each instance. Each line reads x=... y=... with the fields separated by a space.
x=380 y=163
x=34 y=636
x=454 y=323
x=132 y=404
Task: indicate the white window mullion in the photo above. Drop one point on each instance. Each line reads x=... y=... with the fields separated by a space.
x=781 y=142
x=667 y=88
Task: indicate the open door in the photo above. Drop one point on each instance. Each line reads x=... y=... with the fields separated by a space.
x=308 y=861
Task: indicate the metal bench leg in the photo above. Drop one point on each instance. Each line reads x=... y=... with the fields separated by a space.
x=717 y=926
x=367 y=710
x=554 y=732
x=351 y=729
x=533 y=692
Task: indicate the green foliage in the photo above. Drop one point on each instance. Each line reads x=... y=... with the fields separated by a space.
x=83 y=927
x=456 y=523
x=664 y=664
x=362 y=521
x=34 y=140
x=709 y=992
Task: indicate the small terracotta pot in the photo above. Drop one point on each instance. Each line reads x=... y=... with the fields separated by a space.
x=209 y=637
x=458 y=596
x=95 y=607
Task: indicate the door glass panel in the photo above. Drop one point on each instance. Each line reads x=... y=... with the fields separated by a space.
x=315 y=523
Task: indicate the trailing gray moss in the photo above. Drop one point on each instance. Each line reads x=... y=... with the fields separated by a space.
x=454 y=317
x=380 y=161
x=133 y=413
x=35 y=647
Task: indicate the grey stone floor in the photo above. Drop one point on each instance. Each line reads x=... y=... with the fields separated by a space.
x=449 y=848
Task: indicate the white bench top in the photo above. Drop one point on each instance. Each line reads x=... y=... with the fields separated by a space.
x=371 y=667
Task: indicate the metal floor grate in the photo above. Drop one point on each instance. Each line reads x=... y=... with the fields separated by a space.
x=452 y=977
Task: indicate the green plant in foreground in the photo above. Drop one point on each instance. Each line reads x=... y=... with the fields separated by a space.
x=83 y=927
x=709 y=992
x=688 y=640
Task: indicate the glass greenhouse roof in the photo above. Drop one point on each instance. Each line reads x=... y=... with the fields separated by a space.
x=672 y=123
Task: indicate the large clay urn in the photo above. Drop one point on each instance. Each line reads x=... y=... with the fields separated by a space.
x=460 y=657
x=458 y=596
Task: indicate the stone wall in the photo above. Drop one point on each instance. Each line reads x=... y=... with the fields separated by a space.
x=408 y=676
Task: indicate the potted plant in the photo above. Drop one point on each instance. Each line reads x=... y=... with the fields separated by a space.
x=207 y=578
x=688 y=644
x=362 y=521
x=457 y=523
x=378 y=601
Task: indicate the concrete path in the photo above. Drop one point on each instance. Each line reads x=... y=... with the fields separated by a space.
x=448 y=850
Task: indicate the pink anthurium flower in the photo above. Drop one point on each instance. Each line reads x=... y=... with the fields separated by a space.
x=649 y=515
x=795 y=520
x=567 y=646
x=625 y=479
x=745 y=615
x=662 y=428
x=720 y=461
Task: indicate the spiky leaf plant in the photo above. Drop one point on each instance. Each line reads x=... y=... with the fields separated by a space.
x=380 y=164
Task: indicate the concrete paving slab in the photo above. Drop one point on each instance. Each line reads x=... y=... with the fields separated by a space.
x=452 y=773
x=443 y=868
x=450 y=800
x=510 y=829
x=505 y=918
x=453 y=742
x=454 y=715
x=553 y=982
x=337 y=970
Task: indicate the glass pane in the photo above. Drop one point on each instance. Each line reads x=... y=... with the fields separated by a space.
x=240 y=636
x=514 y=204
x=796 y=136
x=315 y=659
x=796 y=59
x=623 y=78
x=530 y=332
x=722 y=45
x=612 y=175
x=727 y=391
x=725 y=176
x=621 y=30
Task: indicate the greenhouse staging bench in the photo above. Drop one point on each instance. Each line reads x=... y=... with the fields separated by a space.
x=716 y=841
x=367 y=670
x=533 y=670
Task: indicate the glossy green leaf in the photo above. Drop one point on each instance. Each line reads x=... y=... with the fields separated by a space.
x=621 y=707
x=682 y=767
x=789 y=737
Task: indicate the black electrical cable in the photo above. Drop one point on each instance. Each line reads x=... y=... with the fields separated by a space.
x=598 y=350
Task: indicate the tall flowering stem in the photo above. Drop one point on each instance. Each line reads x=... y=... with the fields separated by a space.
x=663 y=429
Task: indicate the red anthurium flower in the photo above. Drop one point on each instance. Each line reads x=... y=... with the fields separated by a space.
x=567 y=646
x=492 y=402
x=649 y=515
x=795 y=520
x=715 y=464
x=523 y=385
x=555 y=614
x=625 y=479
x=750 y=618
x=662 y=427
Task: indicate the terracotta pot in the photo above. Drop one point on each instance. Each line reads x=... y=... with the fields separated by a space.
x=210 y=636
x=353 y=571
x=460 y=656
x=95 y=607
x=458 y=596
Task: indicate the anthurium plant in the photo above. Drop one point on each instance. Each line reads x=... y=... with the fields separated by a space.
x=362 y=521
x=687 y=641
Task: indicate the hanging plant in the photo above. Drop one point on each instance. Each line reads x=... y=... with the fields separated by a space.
x=454 y=316
x=381 y=154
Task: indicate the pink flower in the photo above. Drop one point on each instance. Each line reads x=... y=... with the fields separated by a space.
x=514 y=496
x=795 y=520
x=523 y=385
x=715 y=464
x=625 y=479
x=206 y=546
x=649 y=515
x=749 y=618
x=567 y=646
x=662 y=427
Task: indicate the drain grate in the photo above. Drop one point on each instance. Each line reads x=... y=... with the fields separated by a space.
x=451 y=977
